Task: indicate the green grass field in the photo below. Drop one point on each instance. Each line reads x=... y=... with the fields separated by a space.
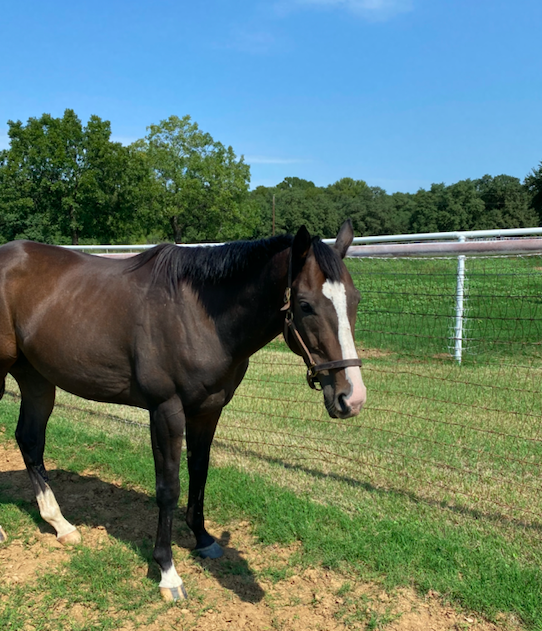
x=408 y=306
x=436 y=484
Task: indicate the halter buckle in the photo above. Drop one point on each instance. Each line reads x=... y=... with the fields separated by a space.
x=312 y=379
x=287 y=299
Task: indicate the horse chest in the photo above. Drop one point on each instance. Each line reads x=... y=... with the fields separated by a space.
x=205 y=396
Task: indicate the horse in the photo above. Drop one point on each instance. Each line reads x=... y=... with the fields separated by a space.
x=170 y=330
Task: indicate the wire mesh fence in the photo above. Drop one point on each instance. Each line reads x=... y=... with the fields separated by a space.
x=467 y=436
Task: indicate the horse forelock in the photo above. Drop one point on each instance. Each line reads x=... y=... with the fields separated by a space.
x=328 y=260
x=201 y=265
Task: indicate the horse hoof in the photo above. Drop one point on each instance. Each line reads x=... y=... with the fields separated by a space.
x=170 y=594
x=70 y=539
x=214 y=551
x=3 y=536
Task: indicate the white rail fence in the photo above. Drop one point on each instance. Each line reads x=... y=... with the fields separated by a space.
x=450 y=333
x=462 y=244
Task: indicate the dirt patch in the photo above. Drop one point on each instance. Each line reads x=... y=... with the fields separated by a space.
x=253 y=587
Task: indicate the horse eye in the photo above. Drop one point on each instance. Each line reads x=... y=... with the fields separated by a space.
x=305 y=307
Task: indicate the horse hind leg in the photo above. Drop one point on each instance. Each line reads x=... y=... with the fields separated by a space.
x=3 y=536
x=8 y=355
x=37 y=401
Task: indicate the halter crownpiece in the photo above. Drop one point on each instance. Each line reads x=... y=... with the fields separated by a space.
x=289 y=325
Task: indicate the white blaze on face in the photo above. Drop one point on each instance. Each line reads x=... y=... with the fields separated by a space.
x=336 y=292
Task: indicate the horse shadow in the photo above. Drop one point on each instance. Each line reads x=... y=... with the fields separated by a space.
x=130 y=516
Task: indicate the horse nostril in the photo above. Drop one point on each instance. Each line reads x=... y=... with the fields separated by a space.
x=345 y=408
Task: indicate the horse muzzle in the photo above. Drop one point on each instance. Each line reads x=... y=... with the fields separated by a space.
x=344 y=405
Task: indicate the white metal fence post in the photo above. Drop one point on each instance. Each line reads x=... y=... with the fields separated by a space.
x=459 y=304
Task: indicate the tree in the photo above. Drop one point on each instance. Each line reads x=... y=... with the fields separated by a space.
x=297 y=202
x=19 y=216
x=401 y=213
x=424 y=216
x=466 y=205
x=201 y=187
x=447 y=208
x=352 y=200
x=65 y=180
x=506 y=203
x=533 y=184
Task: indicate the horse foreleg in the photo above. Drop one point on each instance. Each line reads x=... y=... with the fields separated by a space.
x=3 y=536
x=37 y=401
x=167 y=428
x=199 y=436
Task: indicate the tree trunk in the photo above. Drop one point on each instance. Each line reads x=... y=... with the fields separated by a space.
x=176 y=228
x=74 y=230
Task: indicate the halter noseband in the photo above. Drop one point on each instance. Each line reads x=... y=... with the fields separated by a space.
x=289 y=326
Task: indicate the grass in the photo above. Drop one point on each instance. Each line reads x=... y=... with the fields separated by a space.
x=427 y=431
x=408 y=306
x=378 y=530
x=436 y=484
x=92 y=590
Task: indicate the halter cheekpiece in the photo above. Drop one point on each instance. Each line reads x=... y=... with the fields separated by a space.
x=289 y=326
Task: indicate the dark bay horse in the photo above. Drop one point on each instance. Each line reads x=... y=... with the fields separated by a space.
x=171 y=331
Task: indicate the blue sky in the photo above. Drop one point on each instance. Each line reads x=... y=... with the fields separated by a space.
x=399 y=93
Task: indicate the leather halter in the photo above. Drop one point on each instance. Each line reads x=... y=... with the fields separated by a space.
x=289 y=326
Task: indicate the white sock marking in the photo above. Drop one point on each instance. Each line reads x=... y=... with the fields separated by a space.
x=336 y=292
x=170 y=578
x=50 y=511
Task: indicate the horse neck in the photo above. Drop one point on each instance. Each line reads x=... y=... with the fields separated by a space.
x=253 y=317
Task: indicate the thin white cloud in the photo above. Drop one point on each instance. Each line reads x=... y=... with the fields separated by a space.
x=271 y=160
x=369 y=9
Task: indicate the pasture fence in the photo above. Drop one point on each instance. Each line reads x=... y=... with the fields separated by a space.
x=450 y=334
x=451 y=346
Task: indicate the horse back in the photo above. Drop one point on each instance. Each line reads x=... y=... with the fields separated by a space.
x=70 y=314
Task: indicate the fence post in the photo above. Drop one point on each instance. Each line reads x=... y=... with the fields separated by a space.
x=459 y=300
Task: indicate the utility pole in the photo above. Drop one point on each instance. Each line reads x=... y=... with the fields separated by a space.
x=273 y=215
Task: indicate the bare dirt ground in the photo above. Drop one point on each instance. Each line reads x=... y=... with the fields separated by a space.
x=300 y=599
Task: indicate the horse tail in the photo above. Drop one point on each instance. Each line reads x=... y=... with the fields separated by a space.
x=2 y=388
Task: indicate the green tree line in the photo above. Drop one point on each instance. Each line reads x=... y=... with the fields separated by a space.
x=65 y=182
x=482 y=204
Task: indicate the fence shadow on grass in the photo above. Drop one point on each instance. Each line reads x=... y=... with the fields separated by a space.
x=129 y=516
x=492 y=516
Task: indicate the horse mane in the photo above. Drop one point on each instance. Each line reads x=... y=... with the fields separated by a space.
x=205 y=264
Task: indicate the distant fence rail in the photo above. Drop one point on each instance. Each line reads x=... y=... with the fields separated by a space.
x=454 y=430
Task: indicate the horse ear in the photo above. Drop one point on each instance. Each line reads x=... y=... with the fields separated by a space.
x=301 y=245
x=344 y=238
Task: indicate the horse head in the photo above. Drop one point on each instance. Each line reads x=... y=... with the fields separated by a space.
x=321 y=305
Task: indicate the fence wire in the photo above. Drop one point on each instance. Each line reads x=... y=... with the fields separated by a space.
x=466 y=435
